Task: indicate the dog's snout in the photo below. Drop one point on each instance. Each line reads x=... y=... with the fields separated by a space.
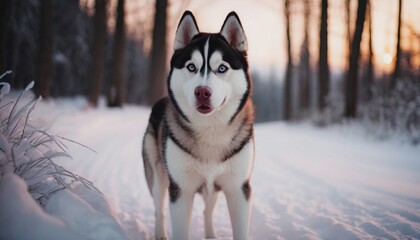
x=202 y=93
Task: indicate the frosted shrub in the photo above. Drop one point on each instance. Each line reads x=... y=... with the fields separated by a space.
x=332 y=113
x=397 y=113
x=29 y=152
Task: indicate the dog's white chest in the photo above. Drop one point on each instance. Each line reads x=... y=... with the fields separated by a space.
x=191 y=171
x=208 y=172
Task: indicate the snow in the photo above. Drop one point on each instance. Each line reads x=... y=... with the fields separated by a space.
x=83 y=217
x=23 y=218
x=333 y=183
x=29 y=178
x=308 y=183
x=66 y=215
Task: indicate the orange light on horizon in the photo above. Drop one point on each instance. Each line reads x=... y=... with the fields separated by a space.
x=387 y=58
x=264 y=25
x=387 y=62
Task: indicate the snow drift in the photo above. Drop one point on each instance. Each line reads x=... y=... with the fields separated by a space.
x=39 y=199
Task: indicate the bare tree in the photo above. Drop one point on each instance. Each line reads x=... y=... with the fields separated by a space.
x=305 y=67
x=288 y=75
x=323 y=67
x=351 y=83
x=116 y=95
x=158 y=55
x=4 y=22
x=397 y=67
x=414 y=36
x=44 y=76
x=370 y=71
x=98 y=51
x=347 y=7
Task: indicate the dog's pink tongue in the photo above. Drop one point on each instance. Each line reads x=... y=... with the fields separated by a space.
x=204 y=108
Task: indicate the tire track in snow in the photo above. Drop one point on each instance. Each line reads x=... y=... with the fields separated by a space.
x=116 y=169
x=308 y=205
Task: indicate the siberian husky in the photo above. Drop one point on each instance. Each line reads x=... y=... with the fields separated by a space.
x=200 y=137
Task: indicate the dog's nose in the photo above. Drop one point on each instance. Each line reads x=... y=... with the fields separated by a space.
x=202 y=93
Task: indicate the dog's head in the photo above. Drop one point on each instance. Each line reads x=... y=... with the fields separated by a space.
x=209 y=71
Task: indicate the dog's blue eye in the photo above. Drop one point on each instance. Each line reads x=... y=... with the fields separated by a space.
x=191 y=67
x=222 y=69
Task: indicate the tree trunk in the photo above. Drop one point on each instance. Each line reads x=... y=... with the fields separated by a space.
x=44 y=76
x=98 y=51
x=351 y=83
x=116 y=95
x=158 y=55
x=370 y=70
x=348 y=25
x=397 y=67
x=289 y=67
x=4 y=24
x=305 y=67
x=323 y=68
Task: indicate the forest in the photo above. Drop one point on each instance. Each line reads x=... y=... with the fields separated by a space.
x=119 y=51
x=336 y=88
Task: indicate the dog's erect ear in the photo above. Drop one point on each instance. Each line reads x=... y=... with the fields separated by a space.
x=187 y=29
x=234 y=33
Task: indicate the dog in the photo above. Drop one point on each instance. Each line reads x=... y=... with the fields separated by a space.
x=200 y=137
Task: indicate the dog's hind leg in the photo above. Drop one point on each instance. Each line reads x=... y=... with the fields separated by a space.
x=210 y=200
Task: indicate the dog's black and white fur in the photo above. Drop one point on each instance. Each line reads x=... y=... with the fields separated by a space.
x=200 y=137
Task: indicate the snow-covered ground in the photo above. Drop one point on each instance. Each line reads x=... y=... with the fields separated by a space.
x=308 y=182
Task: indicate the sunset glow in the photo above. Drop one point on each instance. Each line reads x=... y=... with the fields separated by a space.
x=263 y=22
x=387 y=58
x=264 y=25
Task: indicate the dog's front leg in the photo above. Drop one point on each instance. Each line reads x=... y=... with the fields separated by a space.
x=239 y=205
x=180 y=208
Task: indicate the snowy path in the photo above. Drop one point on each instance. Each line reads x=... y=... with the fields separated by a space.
x=308 y=183
x=332 y=185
